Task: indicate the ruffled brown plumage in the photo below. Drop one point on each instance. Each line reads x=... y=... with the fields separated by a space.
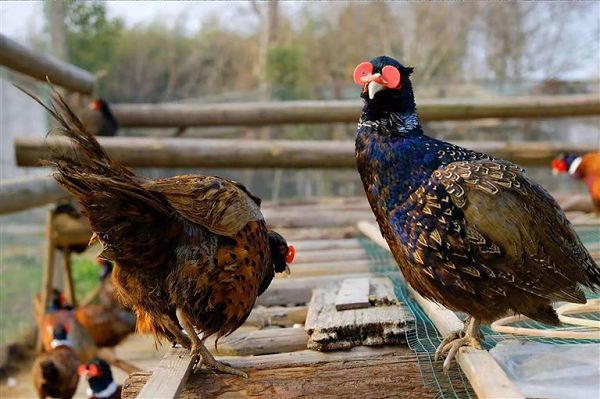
x=190 y=252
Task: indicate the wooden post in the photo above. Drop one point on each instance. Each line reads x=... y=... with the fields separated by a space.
x=69 y=290
x=47 y=273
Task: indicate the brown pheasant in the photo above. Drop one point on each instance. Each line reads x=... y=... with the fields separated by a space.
x=191 y=252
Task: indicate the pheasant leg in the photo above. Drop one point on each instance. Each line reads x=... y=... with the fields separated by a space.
x=174 y=329
x=204 y=356
x=470 y=336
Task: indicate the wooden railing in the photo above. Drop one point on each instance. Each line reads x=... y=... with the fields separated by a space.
x=240 y=153
x=297 y=112
x=26 y=61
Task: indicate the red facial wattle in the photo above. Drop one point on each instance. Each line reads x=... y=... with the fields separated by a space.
x=291 y=254
x=93 y=371
x=389 y=77
x=560 y=165
x=82 y=370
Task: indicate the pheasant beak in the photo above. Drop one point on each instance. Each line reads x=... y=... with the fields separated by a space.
x=374 y=83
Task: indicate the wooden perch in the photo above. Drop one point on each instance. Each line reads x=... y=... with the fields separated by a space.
x=330 y=329
x=261 y=342
x=485 y=375
x=240 y=153
x=29 y=62
x=294 y=112
x=384 y=373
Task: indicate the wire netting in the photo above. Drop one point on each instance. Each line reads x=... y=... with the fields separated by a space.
x=425 y=338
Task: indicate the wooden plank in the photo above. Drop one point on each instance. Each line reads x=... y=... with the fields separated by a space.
x=169 y=377
x=485 y=375
x=245 y=153
x=296 y=291
x=261 y=342
x=294 y=112
x=330 y=329
x=327 y=268
x=353 y=294
x=29 y=62
x=262 y=316
x=329 y=255
x=319 y=245
x=383 y=372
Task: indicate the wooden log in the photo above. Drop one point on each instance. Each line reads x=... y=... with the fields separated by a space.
x=485 y=375
x=294 y=112
x=330 y=329
x=387 y=372
x=241 y=153
x=261 y=342
x=22 y=193
x=296 y=291
x=29 y=62
x=276 y=316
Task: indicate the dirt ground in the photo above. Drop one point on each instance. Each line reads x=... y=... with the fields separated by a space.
x=137 y=349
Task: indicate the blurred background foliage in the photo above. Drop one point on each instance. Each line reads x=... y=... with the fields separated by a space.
x=309 y=50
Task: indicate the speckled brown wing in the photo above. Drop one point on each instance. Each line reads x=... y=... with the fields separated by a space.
x=484 y=239
x=222 y=206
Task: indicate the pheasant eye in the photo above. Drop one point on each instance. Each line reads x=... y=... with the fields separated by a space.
x=391 y=77
x=363 y=69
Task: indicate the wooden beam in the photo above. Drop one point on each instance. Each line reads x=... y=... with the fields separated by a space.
x=311 y=246
x=262 y=316
x=22 y=193
x=328 y=268
x=29 y=62
x=386 y=372
x=485 y=375
x=169 y=377
x=294 y=112
x=261 y=342
x=245 y=153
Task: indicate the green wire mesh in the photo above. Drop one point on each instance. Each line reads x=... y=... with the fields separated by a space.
x=425 y=338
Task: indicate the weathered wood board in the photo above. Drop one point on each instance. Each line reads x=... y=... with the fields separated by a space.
x=383 y=372
x=330 y=329
x=353 y=294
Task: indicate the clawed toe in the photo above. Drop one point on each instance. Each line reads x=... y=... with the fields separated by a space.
x=452 y=349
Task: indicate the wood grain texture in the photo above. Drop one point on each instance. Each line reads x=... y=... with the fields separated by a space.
x=169 y=377
x=276 y=113
x=261 y=342
x=296 y=291
x=262 y=316
x=239 y=153
x=330 y=329
x=353 y=294
x=385 y=372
